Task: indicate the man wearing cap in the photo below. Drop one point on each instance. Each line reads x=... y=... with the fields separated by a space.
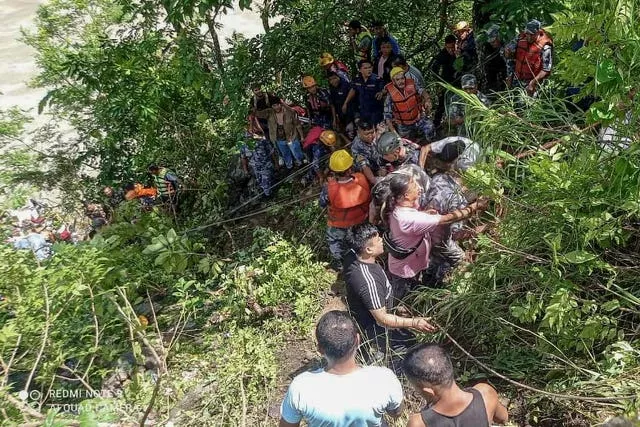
x=285 y=132
x=396 y=151
x=370 y=89
x=457 y=108
x=318 y=104
x=380 y=31
x=365 y=153
x=361 y=40
x=496 y=65
x=410 y=72
x=346 y=196
x=331 y=65
x=406 y=106
x=466 y=46
x=533 y=57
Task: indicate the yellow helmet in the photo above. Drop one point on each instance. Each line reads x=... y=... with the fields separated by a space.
x=308 y=81
x=340 y=161
x=462 y=25
x=326 y=59
x=395 y=71
x=328 y=138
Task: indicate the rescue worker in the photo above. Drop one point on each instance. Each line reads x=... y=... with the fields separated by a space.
x=533 y=57
x=138 y=191
x=397 y=151
x=370 y=89
x=318 y=104
x=380 y=32
x=361 y=40
x=331 y=65
x=365 y=152
x=346 y=196
x=406 y=107
x=466 y=47
x=470 y=155
x=167 y=184
x=496 y=66
x=285 y=132
x=456 y=112
x=258 y=154
x=410 y=72
x=338 y=92
x=384 y=61
x=442 y=66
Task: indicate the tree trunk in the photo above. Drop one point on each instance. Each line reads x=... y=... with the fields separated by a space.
x=265 y=11
x=217 y=50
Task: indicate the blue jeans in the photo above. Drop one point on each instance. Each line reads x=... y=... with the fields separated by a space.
x=291 y=151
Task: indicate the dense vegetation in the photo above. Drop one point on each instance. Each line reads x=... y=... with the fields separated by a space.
x=190 y=327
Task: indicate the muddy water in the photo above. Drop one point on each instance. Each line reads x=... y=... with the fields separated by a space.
x=17 y=64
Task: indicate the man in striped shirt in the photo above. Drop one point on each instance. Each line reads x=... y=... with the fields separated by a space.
x=371 y=298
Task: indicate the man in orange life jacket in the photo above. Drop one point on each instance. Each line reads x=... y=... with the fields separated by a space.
x=346 y=196
x=533 y=57
x=405 y=107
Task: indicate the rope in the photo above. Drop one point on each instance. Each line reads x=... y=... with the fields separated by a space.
x=249 y=215
x=530 y=388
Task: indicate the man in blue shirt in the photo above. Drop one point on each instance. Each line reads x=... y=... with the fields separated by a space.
x=370 y=90
x=343 y=393
x=338 y=91
x=380 y=31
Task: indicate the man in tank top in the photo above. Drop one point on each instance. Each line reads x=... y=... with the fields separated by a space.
x=430 y=371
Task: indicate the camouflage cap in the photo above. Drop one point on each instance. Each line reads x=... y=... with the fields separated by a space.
x=493 y=33
x=468 y=81
x=533 y=26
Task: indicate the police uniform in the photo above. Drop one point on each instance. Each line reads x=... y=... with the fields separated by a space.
x=259 y=155
x=365 y=155
x=458 y=107
x=371 y=109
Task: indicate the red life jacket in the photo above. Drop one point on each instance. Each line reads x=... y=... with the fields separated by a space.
x=529 y=56
x=348 y=201
x=406 y=105
x=339 y=66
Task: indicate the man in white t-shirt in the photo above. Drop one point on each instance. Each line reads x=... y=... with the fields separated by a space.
x=343 y=393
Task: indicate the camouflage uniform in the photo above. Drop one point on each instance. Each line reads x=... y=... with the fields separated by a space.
x=445 y=195
x=259 y=153
x=457 y=109
x=365 y=155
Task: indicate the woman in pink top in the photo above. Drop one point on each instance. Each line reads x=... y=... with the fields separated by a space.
x=411 y=228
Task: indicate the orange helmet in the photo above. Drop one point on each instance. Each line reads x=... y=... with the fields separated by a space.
x=326 y=59
x=328 y=138
x=308 y=81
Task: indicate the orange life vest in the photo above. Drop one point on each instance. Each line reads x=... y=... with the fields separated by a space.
x=529 y=56
x=348 y=201
x=140 y=191
x=406 y=104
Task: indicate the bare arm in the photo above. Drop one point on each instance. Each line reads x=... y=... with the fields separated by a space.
x=464 y=213
x=352 y=93
x=366 y=171
x=496 y=412
x=424 y=153
x=415 y=420
x=389 y=320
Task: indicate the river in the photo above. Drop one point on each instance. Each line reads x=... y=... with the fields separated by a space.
x=17 y=62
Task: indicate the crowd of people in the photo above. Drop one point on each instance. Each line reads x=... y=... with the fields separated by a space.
x=389 y=157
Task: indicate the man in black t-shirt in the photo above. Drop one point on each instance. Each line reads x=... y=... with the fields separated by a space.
x=371 y=297
x=442 y=66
